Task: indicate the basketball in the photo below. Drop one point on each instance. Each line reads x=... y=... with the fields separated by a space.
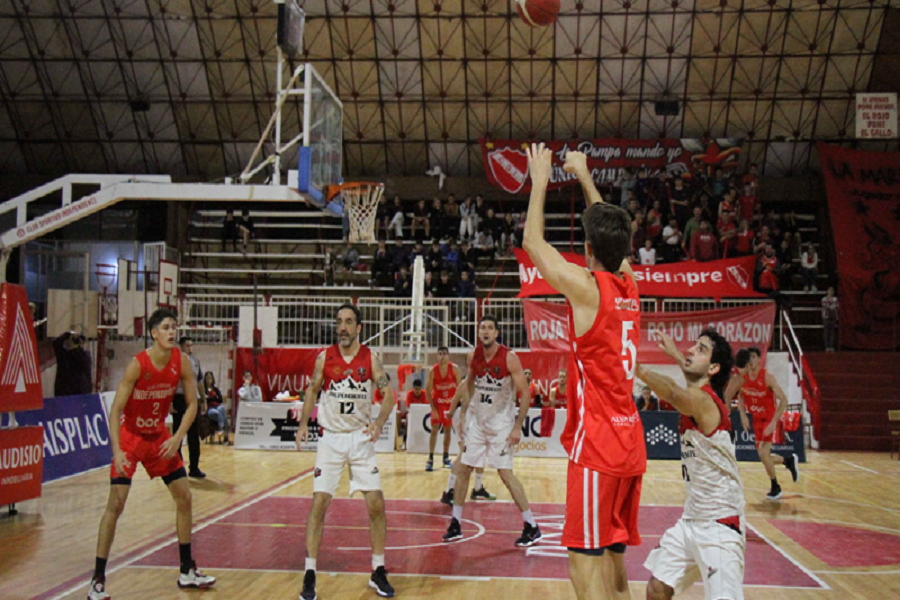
x=538 y=13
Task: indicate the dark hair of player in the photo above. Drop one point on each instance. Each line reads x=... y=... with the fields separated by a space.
x=417 y=383
x=355 y=310
x=722 y=356
x=754 y=350
x=444 y=349
x=159 y=315
x=608 y=228
x=742 y=358
x=490 y=318
x=184 y=340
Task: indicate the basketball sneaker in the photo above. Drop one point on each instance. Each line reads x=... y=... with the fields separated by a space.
x=481 y=494
x=429 y=466
x=447 y=498
x=454 y=532
x=530 y=536
x=448 y=464
x=380 y=584
x=775 y=493
x=792 y=464
x=97 y=590
x=309 y=586
x=195 y=579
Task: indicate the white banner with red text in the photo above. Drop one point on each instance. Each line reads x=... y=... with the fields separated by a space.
x=727 y=278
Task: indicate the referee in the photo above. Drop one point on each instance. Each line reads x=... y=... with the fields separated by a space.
x=179 y=407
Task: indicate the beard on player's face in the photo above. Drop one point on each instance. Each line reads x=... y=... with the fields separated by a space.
x=347 y=336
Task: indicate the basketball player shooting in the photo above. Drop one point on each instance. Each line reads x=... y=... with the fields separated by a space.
x=440 y=387
x=492 y=428
x=757 y=391
x=138 y=434
x=347 y=371
x=603 y=435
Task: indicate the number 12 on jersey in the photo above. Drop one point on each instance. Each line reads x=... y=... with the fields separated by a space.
x=628 y=348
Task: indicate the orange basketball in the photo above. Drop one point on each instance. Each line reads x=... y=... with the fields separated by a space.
x=538 y=13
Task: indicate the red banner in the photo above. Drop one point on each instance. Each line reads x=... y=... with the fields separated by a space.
x=547 y=325
x=506 y=164
x=20 y=377
x=728 y=278
x=277 y=369
x=545 y=368
x=864 y=203
x=21 y=464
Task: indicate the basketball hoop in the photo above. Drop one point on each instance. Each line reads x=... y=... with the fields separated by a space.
x=361 y=203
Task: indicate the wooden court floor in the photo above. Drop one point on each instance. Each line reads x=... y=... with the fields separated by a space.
x=835 y=535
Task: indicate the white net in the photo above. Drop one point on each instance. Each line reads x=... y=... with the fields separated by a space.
x=361 y=203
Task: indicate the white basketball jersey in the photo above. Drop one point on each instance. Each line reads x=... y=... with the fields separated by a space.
x=494 y=403
x=710 y=471
x=346 y=401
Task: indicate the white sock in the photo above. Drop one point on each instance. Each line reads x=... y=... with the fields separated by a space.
x=377 y=561
x=478 y=481
x=457 y=512
x=310 y=564
x=451 y=481
x=528 y=518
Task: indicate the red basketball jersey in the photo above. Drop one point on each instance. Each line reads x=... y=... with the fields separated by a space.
x=560 y=396
x=147 y=407
x=412 y=398
x=603 y=428
x=758 y=398
x=443 y=386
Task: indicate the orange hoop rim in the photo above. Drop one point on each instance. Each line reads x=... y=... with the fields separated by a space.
x=337 y=188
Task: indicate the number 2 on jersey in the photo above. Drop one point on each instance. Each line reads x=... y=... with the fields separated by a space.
x=628 y=348
x=347 y=408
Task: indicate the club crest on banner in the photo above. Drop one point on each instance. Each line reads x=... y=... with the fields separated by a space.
x=20 y=378
x=509 y=168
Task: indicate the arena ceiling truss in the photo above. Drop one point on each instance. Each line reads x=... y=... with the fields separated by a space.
x=185 y=87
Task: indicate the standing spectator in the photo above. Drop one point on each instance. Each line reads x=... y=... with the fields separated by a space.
x=467 y=219
x=229 y=231
x=381 y=266
x=673 y=241
x=751 y=178
x=785 y=256
x=438 y=220
x=349 y=263
x=654 y=221
x=491 y=225
x=718 y=185
x=809 y=268
x=704 y=245
x=434 y=262
x=399 y=256
x=642 y=187
x=830 y=319
x=403 y=283
x=625 y=184
x=249 y=391
x=747 y=203
x=246 y=228
x=692 y=227
x=466 y=287
x=679 y=202
x=396 y=224
x=634 y=207
x=382 y=217
x=727 y=234
x=727 y=206
x=743 y=239
x=768 y=269
x=444 y=287
x=647 y=253
x=508 y=233
x=328 y=263
x=638 y=233
x=451 y=212
x=179 y=408
x=421 y=223
x=480 y=210
x=215 y=406
x=73 y=366
x=762 y=240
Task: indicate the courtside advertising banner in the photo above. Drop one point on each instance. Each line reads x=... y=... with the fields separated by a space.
x=20 y=376
x=727 y=278
x=270 y=426
x=506 y=163
x=789 y=442
x=21 y=464
x=76 y=434
x=277 y=369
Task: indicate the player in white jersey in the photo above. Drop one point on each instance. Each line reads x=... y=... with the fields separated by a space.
x=349 y=372
x=709 y=540
x=491 y=427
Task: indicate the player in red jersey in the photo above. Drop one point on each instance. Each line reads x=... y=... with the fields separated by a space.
x=758 y=391
x=603 y=434
x=440 y=387
x=138 y=434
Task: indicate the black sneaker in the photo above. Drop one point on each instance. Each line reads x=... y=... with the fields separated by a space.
x=380 y=584
x=448 y=464
x=454 y=532
x=530 y=536
x=775 y=493
x=481 y=494
x=429 y=466
x=792 y=464
x=447 y=498
x=309 y=586
x=197 y=474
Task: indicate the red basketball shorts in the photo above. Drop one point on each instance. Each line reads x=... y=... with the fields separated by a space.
x=144 y=449
x=601 y=510
x=443 y=419
x=759 y=427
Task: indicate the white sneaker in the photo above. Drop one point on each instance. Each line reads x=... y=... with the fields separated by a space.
x=195 y=579
x=97 y=590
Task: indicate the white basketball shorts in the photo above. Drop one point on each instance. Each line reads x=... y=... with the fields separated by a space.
x=699 y=549
x=486 y=447
x=354 y=449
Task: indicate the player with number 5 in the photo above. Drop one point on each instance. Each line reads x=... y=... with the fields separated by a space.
x=603 y=435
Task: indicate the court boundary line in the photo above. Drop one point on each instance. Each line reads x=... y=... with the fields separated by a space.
x=135 y=555
x=794 y=561
x=847 y=462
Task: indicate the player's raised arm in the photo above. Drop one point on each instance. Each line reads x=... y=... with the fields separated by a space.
x=123 y=393
x=576 y=163
x=514 y=366
x=387 y=405
x=687 y=401
x=665 y=343
x=303 y=411
x=571 y=280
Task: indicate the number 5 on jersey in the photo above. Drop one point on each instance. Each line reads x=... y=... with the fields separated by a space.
x=628 y=347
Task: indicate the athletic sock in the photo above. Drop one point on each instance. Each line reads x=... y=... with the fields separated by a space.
x=528 y=517
x=310 y=564
x=479 y=483
x=775 y=483
x=100 y=568
x=457 y=512
x=451 y=481
x=431 y=456
x=186 y=562
x=377 y=561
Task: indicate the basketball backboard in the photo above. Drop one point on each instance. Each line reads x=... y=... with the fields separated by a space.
x=319 y=159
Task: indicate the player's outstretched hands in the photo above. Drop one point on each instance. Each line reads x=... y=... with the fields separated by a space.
x=169 y=447
x=540 y=161
x=373 y=431
x=120 y=461
x=576 y=162
x=665 y=343
x=302 y=434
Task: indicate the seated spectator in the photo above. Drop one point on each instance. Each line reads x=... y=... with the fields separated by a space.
x=633 y=207
x=438 y=220
x=647 y=253
x=654 y=221
x=830 y=319
x=647 y=400
x=451 y=261
x=508 y=234
x=672 y=241
x=444 y=288
x=431 y=285
x=403 y=283
x=399 y=256
x=809 y=268
x=727 y=235
x=638 y=234
x=704 y=245
x=692 y=227
x=246 y=228
x=215 y=406
x=466 y=287
x=382 y=267
x=467 y=218
x=421 y=223
x=468 y=259
x=768 y=269
x=762 y=240
x=328 y=265
x=484 y=245
x=249 y=391
x=349 y=263
x=396 y=224
x=418 y=250
x=743 y=239
x=625 y=183
x=229 y=231
x=785 y=256
x=434 y=261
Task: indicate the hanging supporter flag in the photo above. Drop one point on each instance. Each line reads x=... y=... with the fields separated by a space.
x=279 y=369
x=864 y=204
x=20 y=377
x=547 y=325
x=728 y=278
x=506 y=164
x=21 y=464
